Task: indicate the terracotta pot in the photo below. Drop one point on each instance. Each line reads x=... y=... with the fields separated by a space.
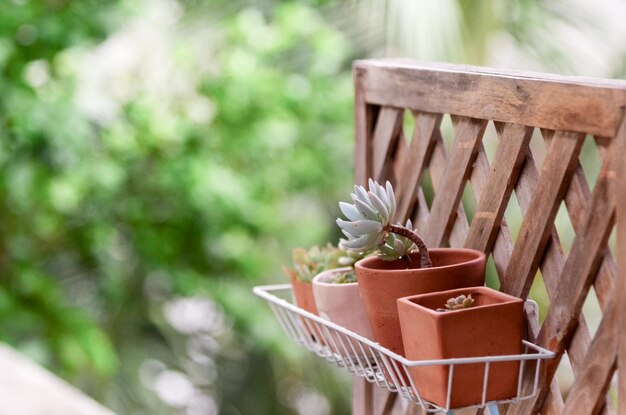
x=381 y=283
x=493 y=326
x=341 y=303
x=303 y=295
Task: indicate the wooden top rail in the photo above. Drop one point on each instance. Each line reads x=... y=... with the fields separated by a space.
x=563 y=113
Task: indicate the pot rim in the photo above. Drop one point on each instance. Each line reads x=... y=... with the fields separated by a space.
x=317 y=280
x=479 y=257
x=504 y=297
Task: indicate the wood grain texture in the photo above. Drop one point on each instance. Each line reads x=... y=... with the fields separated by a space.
x=587 y=395
x=385 y=138
x=466 y=143
x=364 y=116
x=437 y=169
x=554 y=259
x=575 y=280
x=411 y=165
x=502 y=177
x=534 y=233
x=620 y=191
x=566 y=105
x=573 y=106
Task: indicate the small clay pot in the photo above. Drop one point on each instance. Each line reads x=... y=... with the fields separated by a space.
x=492 y=326
x=341 y=303
x=303 y=295
x=381 y=283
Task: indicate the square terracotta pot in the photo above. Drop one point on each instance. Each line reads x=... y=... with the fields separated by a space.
x=493 y=326
x=381 y=283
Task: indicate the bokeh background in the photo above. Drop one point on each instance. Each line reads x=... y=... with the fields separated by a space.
x=159 y=158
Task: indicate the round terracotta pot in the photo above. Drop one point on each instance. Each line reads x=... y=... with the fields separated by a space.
x=341 y=303
x=492 y=326
x=381 y=283
x=303 y=295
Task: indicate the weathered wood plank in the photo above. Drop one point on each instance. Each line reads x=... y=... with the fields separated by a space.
x=26 y=388
x=502 y=177
x=620 y=194
x=575 y=280
x=466 y=143
x=437 y=169
x=364 y=115
x=554 y=261
x=411 y=166
x=386 y=133
x=503 y=246
x=566 y=105
x=557 y=169
x=588 y=393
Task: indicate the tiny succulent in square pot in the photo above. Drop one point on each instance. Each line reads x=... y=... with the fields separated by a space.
x=467 y=322
x=404 y=265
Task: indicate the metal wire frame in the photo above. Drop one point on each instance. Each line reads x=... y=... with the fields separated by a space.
x=366 y=358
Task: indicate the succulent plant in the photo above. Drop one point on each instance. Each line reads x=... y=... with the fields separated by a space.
x=308 y=263
x=369 y=225
x=458 y=303
x=345 y=277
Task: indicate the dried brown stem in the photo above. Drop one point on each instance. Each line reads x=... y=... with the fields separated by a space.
x=425 y=261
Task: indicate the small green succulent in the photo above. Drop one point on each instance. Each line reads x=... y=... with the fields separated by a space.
x=369 y=225
x=308 y=263
x=345 y=277
x=458 y=303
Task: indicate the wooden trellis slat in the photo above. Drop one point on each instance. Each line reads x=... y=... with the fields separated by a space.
x=437 y=170
x=508 y=160
x=413 y=162
x=575 y=281
x=554 y=261
x=566 y=110
x=467 y=140
x=534 y=233
x=588 y=392
x=385 y=137
x=620 y=149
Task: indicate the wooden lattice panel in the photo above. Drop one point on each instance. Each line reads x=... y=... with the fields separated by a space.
x=428 y=129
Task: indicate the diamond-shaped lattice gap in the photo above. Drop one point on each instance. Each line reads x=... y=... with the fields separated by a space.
x=613 y=388
x=590 y=160
x=447 y=132
x=564 y=228
x=468 y=201
x=513 y=216
x=491 y=274
x=408 y=125
x=592 y=311
x=428 y=188
x=565 y=376
x=613 y=241
x=539 y=294
x=490 y=141
x=538 y=148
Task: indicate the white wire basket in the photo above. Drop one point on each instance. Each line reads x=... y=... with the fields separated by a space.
x=365 y=358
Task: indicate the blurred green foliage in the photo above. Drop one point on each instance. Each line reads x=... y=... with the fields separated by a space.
x=108 y=215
